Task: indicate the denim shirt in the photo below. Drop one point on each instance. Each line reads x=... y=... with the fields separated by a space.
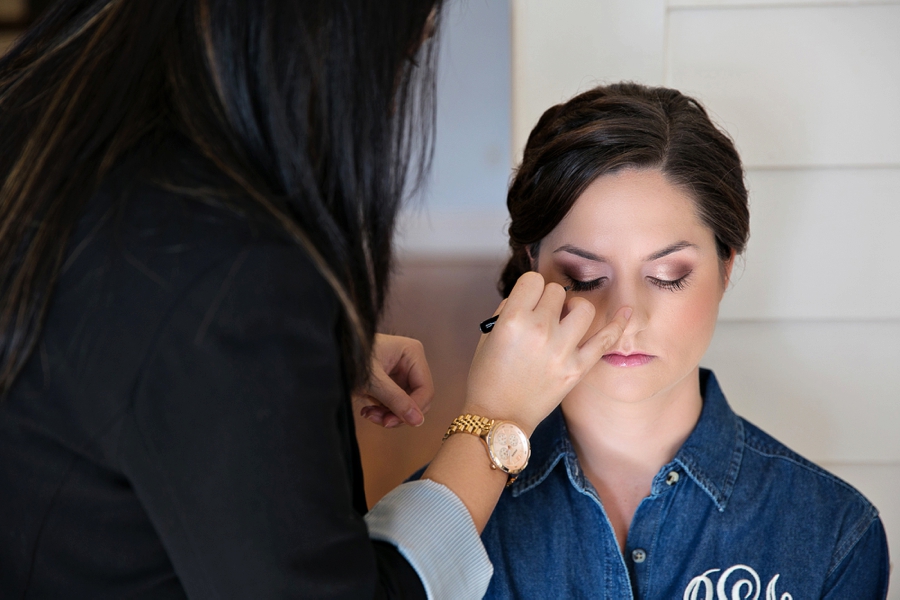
x=735 y=515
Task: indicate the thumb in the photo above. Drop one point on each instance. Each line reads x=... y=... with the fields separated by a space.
x=383 y=389
x=596 y=346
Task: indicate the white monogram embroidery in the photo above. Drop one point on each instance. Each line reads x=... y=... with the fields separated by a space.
x=747 y=587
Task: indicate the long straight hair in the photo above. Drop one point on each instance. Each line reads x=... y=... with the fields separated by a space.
x=314 y=109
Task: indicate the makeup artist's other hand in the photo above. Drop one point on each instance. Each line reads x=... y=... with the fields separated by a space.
x=400 y=389
x=532 y=358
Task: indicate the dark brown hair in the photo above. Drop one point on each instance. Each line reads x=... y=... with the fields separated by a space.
x=614 y=127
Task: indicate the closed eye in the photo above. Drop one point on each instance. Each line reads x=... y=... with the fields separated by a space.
x=674 y=285
x=586 y=286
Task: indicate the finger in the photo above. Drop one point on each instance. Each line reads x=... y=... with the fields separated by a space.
x=421 y=386
x=380 y=415
x=527 y=292
x=596 y=346
x=391 y=421
x=413 y=375
x=550 y=306
x=389 y=394
x=579 y=317
x=374 y=413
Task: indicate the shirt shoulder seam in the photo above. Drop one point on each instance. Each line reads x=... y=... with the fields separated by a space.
x=788 y=455
x=843 y=550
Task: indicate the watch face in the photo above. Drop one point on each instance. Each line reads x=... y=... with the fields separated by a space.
x=509 y=447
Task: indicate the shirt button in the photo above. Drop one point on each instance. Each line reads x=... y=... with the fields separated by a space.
x=638 y=555
x=672 y=478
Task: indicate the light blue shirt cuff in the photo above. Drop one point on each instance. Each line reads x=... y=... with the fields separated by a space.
x=434 y=531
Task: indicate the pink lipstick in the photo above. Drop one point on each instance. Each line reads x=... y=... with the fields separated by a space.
x=627 y=360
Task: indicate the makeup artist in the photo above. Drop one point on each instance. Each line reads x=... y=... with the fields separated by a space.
x=197 y=200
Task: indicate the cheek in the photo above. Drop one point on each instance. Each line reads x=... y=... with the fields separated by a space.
x=692 y=321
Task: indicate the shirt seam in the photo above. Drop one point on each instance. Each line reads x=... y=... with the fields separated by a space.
x=843 y=550
x=140 y=376
x=539 y=477
x=862 y=524
x=816 y=470
x=50 y=507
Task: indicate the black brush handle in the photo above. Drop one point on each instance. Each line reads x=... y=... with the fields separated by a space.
x=487 y=325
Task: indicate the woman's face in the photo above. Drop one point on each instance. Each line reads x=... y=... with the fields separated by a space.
x=633 y=239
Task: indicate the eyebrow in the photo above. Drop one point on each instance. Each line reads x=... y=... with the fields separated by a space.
x=580 y=252
x=597 y=258
x=669 y=250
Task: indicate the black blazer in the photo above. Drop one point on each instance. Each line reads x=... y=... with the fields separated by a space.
x=182 y=427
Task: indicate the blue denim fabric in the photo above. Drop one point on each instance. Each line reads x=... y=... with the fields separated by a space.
x=735 y=515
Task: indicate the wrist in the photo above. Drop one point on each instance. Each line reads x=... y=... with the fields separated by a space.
x=498 y=414
x=507 y=445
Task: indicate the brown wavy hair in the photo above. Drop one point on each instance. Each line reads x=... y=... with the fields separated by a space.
x=614 y=127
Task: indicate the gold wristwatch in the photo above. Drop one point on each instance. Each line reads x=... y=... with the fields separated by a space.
x=507 y=445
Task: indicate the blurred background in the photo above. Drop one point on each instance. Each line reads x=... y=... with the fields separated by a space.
x=808 y=342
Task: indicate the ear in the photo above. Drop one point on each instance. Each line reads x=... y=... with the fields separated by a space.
x=727 y=267
x=532 y=260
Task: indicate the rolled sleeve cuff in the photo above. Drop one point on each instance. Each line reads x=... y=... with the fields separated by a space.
x=432 y=529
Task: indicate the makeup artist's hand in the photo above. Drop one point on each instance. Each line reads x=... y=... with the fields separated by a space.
x=533 y=357
x=400 y=389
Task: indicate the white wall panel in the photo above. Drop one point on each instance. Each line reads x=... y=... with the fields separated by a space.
x=566 y=46
x=830 y=391
x=881 y=485
x=823 y=245
x=798 y=85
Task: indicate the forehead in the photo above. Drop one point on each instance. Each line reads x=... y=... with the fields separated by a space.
x=640 y=206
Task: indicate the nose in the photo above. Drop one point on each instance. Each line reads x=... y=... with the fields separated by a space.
x=625 y=293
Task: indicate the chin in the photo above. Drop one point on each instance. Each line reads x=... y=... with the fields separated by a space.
x=630 y=384
x=622 y=386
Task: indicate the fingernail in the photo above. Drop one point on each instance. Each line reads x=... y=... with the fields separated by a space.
x=627 y=313
x=391 y=421
x=414 y=417
x=364 y=412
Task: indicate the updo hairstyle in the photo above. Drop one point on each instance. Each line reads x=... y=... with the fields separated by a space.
x=611 y=128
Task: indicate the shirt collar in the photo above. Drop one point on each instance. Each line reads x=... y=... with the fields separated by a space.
x=711 y=455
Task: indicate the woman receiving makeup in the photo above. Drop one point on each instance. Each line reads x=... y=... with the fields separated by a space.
x=644 y=483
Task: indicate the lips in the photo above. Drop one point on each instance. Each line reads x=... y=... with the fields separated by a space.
x=627 y=360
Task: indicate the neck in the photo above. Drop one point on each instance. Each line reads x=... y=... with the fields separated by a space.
x=613 y=437
x=622 y=445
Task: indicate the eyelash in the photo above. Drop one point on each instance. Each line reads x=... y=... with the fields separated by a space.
x=585 y=286
x=675 y=285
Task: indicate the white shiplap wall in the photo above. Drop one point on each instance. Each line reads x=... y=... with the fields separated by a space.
x=808 y=344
